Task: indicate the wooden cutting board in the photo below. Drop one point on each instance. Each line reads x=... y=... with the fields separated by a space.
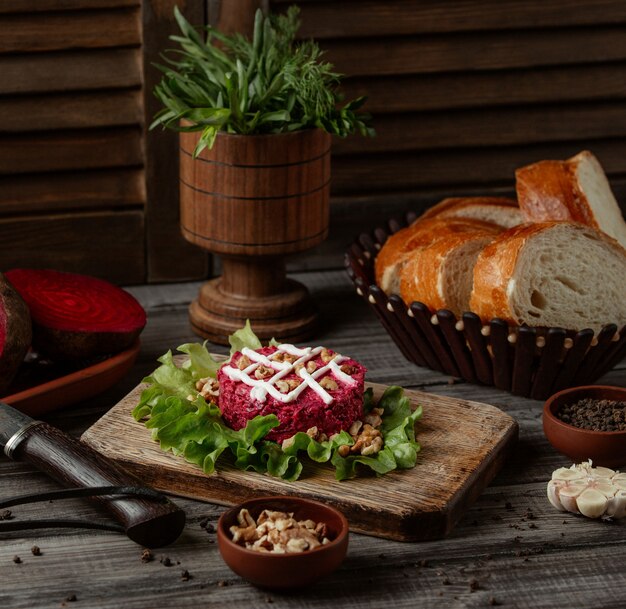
x=464 y=444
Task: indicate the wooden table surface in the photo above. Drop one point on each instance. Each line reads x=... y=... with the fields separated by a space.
x=511 y=549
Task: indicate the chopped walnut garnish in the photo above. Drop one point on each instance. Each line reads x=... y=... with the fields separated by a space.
x=328 y=382
x=285 y=386
x=348 y=369
x=281 y=356
x=278 y=532
x=243 y=362
x=209 y=388
x=368 y=442
x=310 y=366
x=282 y=386
x=367 y=439
x=355 y=428
x=312 y=432
x=344 y=450
x=373 y=418
x=263 y=372
x=326 y=356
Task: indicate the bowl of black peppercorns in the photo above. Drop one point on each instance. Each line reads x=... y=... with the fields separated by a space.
x=588 y=423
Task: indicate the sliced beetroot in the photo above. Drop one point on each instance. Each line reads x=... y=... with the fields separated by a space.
x=15 y=332
x=77 y=316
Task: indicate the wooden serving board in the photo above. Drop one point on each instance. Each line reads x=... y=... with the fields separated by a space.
x=464 y=444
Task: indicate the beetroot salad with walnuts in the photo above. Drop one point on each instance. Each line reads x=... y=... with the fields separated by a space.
x=309 y=408
x=266 y=409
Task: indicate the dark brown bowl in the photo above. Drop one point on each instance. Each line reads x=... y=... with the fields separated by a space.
x=606 y=448
x=285 y=571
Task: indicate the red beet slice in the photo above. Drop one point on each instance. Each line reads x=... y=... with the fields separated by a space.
x=15 y=332
x=77 y=316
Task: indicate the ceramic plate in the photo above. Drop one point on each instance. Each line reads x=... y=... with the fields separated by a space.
x=75 y=386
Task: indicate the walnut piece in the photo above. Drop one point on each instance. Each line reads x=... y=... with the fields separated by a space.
x=278 y=532
x=243 y=362
x=281 y=356
x=263 y=372
x=348 y=369
x=326 y=356
x=368 y=440
x=208 y=388
x=328 y=382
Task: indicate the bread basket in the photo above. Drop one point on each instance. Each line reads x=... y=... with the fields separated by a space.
x=530 y=362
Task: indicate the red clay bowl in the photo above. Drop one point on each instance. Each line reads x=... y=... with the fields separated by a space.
x=606 y=448
x=285 y=571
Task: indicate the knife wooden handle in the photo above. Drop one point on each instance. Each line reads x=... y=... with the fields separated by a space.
x=72 y=463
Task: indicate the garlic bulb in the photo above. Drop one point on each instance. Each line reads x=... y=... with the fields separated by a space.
x=595 y=492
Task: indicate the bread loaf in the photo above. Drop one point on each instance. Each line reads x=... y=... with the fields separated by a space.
x=440 y=275
x=392 y=256
x=576 y=190
x=552 y=274
x=497 y=210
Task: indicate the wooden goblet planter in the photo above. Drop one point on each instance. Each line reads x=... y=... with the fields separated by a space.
x=255 y=200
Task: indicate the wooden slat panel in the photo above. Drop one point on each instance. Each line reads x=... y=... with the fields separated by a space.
x=489 y=127
x=49 y=72
x=108 y=245
x=54 y=192
x=424 y=170
x=71 y=150
x=388 y=94
x=480 y=51
x=170 y=257
x=59 y=31
x=71 y=111
x=29 y=6
x=404 y=17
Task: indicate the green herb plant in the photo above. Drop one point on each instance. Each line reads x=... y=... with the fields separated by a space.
x=270 y=84
x=185 y=424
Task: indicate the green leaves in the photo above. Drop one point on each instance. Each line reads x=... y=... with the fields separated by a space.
x=185 y=424
x=271 y=84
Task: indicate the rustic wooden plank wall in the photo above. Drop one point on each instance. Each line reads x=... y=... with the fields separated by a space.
x=72 y=189
x=463 y=92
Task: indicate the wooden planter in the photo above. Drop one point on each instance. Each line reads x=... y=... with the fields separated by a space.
x=254 y=200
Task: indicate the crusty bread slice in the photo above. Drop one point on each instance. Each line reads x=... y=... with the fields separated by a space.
x=391 y=258
x=576 y=190
x=552 y=274
x=497 y=210
x=440 y=275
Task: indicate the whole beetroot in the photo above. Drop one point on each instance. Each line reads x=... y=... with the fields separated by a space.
x=15 y=332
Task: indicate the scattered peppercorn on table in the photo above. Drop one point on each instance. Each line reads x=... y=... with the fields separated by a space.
x=512 y=548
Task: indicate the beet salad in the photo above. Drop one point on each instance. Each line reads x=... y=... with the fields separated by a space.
x=305 y=388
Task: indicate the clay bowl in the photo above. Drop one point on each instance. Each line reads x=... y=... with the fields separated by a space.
x=606 y=448
x=285 y=571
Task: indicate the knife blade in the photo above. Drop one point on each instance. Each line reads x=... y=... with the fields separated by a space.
x=75 y=464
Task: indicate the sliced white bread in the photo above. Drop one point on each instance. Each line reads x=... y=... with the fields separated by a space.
x=440 y=275
x=497 y=210
x=552 y=274
x=392 y=256
x=576 y=190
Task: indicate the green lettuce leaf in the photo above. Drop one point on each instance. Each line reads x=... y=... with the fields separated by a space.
x=244 y=337
x=185 y=424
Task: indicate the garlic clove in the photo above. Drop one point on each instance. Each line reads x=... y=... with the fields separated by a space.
x=566 y=474
x=603 y=472
x=553 y=496
x=616 y=507
x=569 y=496
x=591 y=503
x=606 y=488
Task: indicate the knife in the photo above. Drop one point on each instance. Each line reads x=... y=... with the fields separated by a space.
x=150 y=519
